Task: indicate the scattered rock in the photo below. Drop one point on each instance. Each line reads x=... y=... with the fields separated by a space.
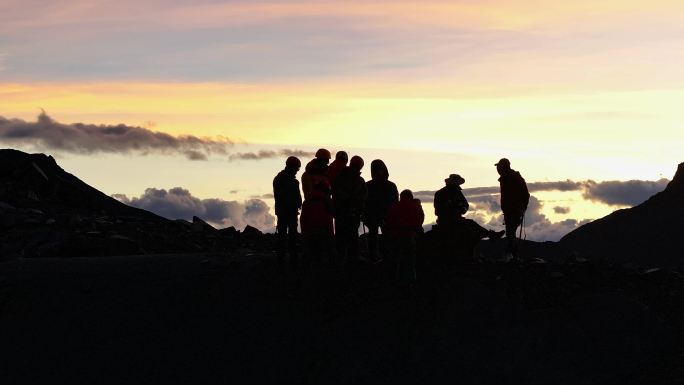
x=199 y=225
x=251 y=231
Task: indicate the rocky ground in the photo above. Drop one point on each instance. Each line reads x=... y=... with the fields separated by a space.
x=233 y=318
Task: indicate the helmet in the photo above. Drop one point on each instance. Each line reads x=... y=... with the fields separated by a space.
x=293 y=162
x=356 y=162
x=322 y=153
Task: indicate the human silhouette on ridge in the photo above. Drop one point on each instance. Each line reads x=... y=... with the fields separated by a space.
x=514 y=200
x=288 y=202
x=382 y=193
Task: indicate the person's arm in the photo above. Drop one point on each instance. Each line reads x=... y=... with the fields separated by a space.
x=299 y=195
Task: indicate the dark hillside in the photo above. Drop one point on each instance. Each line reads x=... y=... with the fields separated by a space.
x=48 y=212
x=649 y=234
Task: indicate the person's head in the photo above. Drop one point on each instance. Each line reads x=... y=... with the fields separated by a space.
x=503 y=165
x=293 y=164
x=454 y=180
x=379 y=170
x=356 y=163
x=342 y=156
x=406 y=195
x=323 y=155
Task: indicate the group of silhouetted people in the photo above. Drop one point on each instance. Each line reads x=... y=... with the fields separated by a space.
x=337 y=200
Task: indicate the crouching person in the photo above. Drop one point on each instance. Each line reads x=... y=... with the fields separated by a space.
x=403 y=222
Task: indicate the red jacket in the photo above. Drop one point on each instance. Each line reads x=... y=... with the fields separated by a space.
x=404 y=218
x=316 y=215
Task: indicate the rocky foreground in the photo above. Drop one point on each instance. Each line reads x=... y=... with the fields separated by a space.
x=233 y=318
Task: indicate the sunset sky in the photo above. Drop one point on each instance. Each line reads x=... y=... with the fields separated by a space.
x=587 y=93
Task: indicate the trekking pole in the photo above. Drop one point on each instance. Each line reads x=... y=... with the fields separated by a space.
x=522 y=227
x=520 y=236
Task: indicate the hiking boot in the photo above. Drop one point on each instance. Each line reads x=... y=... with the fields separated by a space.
x=496 y=235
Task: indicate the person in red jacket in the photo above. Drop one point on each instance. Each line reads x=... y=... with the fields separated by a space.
x=514 y=200
x=316 y=219
x=403 y=222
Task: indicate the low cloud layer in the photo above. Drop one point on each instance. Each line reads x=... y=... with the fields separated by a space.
x=485 y=207
x=538 y=227
x=179 y=203
x=81 y=138
x=617 y=193
x=268 y=154
x=614 y=193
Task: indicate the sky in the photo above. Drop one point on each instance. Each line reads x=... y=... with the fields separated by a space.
x=190 y=108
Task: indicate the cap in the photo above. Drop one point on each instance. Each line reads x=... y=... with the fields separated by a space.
x=503 y=162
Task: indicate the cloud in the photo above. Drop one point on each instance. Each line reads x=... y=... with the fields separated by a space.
x=617 y=193
x=82 y=138
x=488 y=203
x=561 y=210
x=263 y=196
x=537 y=227
x=179 y=203
x=473 y=192
x=266 y=154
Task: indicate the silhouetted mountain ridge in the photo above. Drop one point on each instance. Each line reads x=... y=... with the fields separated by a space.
x=647 y=234
x=36 y=181
x=46 y=211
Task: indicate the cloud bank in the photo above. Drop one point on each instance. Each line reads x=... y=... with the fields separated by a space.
x=617 y=193
x=81 y=138
x=538 y=227
x=485 y=207
x=267 y=154
x=613 y=193
x=179 y=203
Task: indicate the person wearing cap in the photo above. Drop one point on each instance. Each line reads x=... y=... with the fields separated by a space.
x=340 y=162
x=450 y=206
x=514 y=200
x=349 y=197
x=288 y=202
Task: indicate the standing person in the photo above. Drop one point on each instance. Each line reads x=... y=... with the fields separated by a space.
x=340 y=162
x=349 y=196
x=316 y=219
x=404 y=221
x=288 y=202
x=320 y=161
x=514 y=200
x=381 y=195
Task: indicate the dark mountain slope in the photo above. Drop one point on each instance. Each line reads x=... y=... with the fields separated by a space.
x=36 y=181
x=47 y=212
x=648 y=234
